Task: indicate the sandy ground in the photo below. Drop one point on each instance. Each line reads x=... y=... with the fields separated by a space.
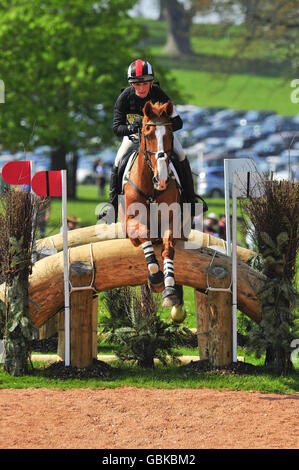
x=134 y=418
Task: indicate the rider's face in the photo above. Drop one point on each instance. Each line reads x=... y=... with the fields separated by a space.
x=142 y=88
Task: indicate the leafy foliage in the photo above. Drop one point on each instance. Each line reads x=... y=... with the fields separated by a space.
x=275 y=229
x=18 y=225
x=138 y=333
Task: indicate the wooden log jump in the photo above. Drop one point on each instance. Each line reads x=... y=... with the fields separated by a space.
x=103 y=232
x=116 y=263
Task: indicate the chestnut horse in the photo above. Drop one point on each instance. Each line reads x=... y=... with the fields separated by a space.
x=150 y=183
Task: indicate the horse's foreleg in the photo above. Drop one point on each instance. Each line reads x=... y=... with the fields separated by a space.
x=170 y=296
x=151 y=260
x=155 y=276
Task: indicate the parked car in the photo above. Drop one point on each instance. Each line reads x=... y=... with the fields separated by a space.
x=256 y=116
x=210 y=182
x=264 y=147
x=293 y=154
x=85 y=170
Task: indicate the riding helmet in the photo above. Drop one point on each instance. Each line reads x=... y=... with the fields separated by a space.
x=140 y=71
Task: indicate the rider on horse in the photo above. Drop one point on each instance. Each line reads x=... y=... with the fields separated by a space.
x=127 y=122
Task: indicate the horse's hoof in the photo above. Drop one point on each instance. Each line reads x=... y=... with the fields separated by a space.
x=170 y=297
x=156 y=281
x=178 y=313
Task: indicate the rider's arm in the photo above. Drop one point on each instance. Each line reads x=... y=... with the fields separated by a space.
x=175 y=119
x=176 y=122
x=120 y=127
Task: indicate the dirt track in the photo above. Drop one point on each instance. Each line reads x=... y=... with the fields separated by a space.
x=132 y=418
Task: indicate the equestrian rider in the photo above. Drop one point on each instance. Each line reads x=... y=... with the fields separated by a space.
x=127 y=122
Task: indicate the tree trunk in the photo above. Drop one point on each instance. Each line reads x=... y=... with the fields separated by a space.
x=161 y=12
x=71 y=180
x=58 y=162
x=179 y=22
x=58 y=158
x=146 y=363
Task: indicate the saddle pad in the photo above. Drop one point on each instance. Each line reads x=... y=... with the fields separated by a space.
x=127 y=169
x=171 y=166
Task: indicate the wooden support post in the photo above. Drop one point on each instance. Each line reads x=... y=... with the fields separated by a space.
x=220 y=317
x=202 y=323
x=81 y=328
x=94 y=326
x=83 y=338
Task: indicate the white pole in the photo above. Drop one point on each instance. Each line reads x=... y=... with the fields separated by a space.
x=227 y=207
x=234 y=269
x=66 y=269
x=32 y=173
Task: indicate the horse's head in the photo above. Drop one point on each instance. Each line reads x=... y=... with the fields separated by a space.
x=157 y=145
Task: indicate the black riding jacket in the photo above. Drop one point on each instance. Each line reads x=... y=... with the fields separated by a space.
x=129 y=106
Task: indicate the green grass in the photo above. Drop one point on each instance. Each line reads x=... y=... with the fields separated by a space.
x=161 y=377
x=216 y=77
x=241 y=92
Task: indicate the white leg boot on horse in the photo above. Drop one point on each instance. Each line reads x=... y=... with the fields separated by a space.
x=171 y=295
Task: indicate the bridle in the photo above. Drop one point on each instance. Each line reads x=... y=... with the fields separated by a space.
x=152 y=197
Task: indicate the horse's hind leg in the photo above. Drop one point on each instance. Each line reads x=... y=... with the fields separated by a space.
x=155 y=275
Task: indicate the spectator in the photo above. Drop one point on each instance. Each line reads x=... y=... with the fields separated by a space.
x=222 y=227
x=72 y=223
x=101 y=177
x=210 y=224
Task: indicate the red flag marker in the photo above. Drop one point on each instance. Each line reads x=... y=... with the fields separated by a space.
x=17 y=173
x=47 y=183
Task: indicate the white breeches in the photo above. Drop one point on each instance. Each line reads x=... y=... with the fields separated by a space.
x=127 y=144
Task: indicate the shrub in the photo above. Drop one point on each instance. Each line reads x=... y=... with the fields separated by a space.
x=137 y=331
x=275 y=230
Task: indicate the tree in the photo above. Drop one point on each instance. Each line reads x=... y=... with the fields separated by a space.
x=63 y=66
x=179 y=17
x=277 y=22
x=273 y=21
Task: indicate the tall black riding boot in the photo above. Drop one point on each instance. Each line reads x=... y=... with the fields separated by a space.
x=115 y=189
x=189 y=195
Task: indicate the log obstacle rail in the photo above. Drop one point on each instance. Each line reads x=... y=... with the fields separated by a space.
x=117 y=263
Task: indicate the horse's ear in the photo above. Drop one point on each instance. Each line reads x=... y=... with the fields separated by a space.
x=169 y=108
x=148 y=110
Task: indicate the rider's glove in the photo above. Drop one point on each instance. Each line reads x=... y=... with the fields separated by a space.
x=135 y=126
